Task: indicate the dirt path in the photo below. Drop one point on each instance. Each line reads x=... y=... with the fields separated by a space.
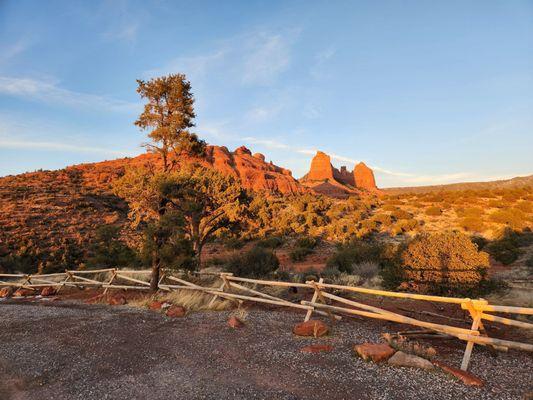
x=68 y=350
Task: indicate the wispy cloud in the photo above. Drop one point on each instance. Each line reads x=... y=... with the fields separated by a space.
x=251 y=59
x=400 y=177
x=50 y=92
x=11 y=51
x=267 y=56
x=124 y=32
x=63 y=147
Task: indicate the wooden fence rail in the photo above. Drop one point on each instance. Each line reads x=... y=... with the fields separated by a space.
x=232 y=288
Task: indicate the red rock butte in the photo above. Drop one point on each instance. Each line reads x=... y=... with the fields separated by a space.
x=324 y=178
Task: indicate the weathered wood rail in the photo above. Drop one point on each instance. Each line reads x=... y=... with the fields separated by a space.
x=323 y=302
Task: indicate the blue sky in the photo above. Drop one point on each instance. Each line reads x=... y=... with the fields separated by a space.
x=424 y=92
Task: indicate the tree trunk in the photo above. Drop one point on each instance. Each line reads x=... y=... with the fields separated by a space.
x=154 y=277
x=197 y=248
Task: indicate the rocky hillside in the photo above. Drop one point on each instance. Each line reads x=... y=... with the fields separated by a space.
x=324 y=178
x=517 y=182
x=56 y=209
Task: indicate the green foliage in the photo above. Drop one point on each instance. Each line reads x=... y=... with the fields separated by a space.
x=306 y=242
x=107 y=250
x=169 y=113
x=299 y=253
x=272 y=242
x=445 y=262
x=356 y=252
x=506 y=249
x=234 y=243
x=257 y=262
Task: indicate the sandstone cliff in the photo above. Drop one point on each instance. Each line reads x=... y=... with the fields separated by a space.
x=324 y=178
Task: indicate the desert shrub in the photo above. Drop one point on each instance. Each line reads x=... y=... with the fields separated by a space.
x=525 y=206
x=383 y=219
x=497 y=204
x=299 y=253
x=473 y=224
x=107 y=250
x=401 y=214
x=272 y=242
x=445 y=262
x=472 y=212
x=433 y=211
x=256 y=262
x=511 y=217
x=404 y=225
x=389 y=207
x=479 y=241
x=366 y=270
x=506 y=249
x=349 y=255
x=234 y=243
x=306 y=242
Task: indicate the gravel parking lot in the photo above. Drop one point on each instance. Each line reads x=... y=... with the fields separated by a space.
x=70 y=350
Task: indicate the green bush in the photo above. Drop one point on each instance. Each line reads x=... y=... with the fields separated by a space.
x=257 y=262
x=306 y=242
x=444 y=263
x=107 y=250
x=506 y=249
x=272 y=242
x=349 y=255
x=299 y=253
x=234 y=243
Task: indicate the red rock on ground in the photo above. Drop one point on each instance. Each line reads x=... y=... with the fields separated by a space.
x=311 y=328
x=48 y=291
x=176 y=311
x=374 y=351
x=117 y=300
x=23 y=293
x=6 y=292
x=316 y=348
x=235 y=322
x=466 y=377
x=155 y=305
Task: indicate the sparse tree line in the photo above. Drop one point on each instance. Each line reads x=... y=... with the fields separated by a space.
x=180 y=208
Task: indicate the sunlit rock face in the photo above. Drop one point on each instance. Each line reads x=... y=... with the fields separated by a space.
x=324 y=178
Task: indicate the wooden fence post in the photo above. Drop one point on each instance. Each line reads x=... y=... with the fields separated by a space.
x=476 y=321
x=113 y=275
x=313 y=300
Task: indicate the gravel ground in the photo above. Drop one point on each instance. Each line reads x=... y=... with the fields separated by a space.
x=70 y=350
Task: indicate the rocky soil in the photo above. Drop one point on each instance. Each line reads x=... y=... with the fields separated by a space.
x=69 y=350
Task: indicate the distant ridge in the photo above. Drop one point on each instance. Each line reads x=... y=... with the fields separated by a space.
x=519 y=181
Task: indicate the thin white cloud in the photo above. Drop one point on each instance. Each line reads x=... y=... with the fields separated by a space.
x=50 y=92
x=64 y=147
x=11 y=51
x=250 y=59
x=400 y=177
x=267 y=57
x=126 y=32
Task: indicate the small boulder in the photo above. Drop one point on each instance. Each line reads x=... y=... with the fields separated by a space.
x=176 y=311
x=6 y=292
x=23 y=293
x=235 y=322
x=316 y=348
x=48 y=291
x=376 y=352
x=117 y=300
x=155 y=305
x=312 y=327
x=401 y=359
x=466 y=377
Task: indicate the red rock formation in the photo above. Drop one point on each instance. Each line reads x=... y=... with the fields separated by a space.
x=321 y=168
x=325 y=179
x=364 y=177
